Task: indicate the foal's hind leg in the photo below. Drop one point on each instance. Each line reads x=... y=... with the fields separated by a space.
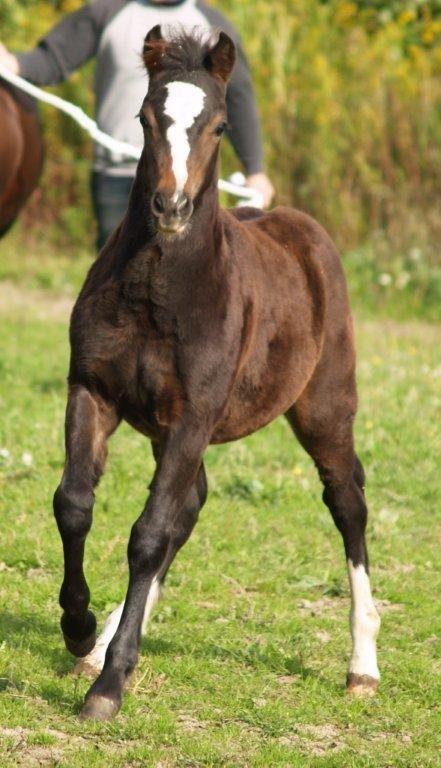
x=92 y=664
x=324 y=429
x=89 y=422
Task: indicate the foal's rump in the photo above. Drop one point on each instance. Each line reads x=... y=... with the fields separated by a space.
x=294 y=305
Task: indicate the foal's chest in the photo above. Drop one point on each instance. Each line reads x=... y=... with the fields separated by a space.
x=128 y=344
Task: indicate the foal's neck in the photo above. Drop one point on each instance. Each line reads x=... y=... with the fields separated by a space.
x=200 y=240
x=202 y=237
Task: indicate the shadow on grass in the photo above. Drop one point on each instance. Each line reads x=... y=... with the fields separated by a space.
x=37 y=635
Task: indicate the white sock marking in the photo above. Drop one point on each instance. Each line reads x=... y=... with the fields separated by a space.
x=152 y=598
x=183 y=104
x=96 y=657
x=365 y=623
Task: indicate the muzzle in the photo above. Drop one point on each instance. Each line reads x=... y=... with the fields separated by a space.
x=171 y=213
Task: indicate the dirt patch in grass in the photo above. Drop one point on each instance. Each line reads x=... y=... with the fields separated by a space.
x=39 y=304
x=320 y=740
x=332 y=606
x=190 y=723
x=428 y=332
x=39 y=756
x=316 y=740
x=17 y=743
x=31 y=755
x=323 y=606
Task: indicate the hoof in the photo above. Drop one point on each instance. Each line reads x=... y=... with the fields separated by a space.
x=99 y=708
x=361 y=685
x=80 y=647
x=85 y=668
x=84 y=645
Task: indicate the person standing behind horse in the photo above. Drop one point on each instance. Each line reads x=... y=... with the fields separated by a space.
x=113 y=31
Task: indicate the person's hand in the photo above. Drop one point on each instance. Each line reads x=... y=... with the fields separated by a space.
x=261 y=182
x=8 y=60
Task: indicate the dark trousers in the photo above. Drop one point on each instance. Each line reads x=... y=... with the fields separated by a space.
x=110 y=196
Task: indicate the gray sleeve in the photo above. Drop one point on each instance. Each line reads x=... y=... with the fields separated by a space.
x=244 y=132
x=72 y=42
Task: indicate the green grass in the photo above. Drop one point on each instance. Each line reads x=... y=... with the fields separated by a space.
x=245 y=657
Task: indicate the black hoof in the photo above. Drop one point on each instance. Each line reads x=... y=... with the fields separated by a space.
x=99 y=708
x=80 y=646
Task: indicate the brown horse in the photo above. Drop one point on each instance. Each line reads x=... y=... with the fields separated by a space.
x=198 y=325
x=21 y=152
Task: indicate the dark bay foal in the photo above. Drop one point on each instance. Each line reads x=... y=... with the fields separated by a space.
x=198 y=326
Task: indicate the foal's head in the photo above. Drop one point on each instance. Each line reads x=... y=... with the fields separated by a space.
x=183 y=117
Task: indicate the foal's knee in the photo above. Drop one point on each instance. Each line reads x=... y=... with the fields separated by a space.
x=147 y=546
x=73 y=511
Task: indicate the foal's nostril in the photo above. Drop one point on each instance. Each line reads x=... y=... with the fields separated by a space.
x=184 y=206
x=169 y=209
x=182 y=203
x=158 y=203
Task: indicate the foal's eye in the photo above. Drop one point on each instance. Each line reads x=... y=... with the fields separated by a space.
x=220 y=128
x=143 y=120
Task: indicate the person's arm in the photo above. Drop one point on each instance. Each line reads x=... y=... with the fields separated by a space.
x=244 y=130
x=72 y=42
x=244 y=124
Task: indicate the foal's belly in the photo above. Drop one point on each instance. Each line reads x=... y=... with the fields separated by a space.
x=155 y=405
x=263 y=392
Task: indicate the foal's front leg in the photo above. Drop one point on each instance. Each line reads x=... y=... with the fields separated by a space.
x=152 y=545
x=89 y=422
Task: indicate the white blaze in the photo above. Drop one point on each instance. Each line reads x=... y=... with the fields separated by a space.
x=183 y=104
x=365 y=623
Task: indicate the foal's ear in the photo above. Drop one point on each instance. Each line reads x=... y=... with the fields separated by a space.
x=220 y=59
x=154 y=49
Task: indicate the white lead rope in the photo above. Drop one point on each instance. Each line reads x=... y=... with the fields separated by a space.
x=235 y=187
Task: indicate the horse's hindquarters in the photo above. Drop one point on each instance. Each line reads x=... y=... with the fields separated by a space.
x=21 y=156
x=11 y=153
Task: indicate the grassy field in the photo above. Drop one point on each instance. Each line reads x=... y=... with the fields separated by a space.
x=245 y=658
